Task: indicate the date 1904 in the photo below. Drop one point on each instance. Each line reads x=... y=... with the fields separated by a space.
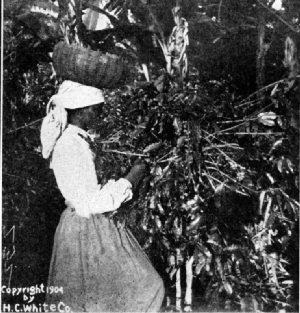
x=32 y=290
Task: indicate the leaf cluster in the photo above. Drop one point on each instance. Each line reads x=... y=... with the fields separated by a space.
x=222 y=186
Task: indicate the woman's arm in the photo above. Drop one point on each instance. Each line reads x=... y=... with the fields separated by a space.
x=75 y=173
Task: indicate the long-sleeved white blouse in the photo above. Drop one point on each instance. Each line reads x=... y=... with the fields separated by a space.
x=75 y=173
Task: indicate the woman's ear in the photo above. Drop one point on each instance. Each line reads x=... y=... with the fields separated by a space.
x=72 y=115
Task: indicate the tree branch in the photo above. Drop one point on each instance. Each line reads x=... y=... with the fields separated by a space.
x=296 y=30
x=266 y=87
x=126 y=153
x=24 y=126
x=219 y=11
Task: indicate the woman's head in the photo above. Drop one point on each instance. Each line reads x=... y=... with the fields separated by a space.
x=82 y=103
x=74 y=103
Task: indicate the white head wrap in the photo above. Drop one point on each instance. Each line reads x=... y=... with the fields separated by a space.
x=71 y=96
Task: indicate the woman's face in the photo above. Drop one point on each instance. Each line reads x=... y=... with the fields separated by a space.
x=90 y=116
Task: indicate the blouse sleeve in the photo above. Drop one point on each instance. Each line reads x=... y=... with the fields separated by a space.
x=75 y=173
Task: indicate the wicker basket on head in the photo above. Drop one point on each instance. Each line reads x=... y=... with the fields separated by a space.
x=88 y=67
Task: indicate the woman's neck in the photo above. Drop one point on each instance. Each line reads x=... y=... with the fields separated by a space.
x=79 y=124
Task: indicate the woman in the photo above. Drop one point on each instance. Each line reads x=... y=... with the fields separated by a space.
x=97 y=266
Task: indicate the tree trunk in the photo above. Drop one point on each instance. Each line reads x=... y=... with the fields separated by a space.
x=291 y=62
x=178 y=280
x=262 y=49
x=260 y=54
x=291 y=58
x=189 y=282
x=178 y=290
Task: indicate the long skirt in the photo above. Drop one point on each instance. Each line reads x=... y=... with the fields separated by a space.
x=99 y=267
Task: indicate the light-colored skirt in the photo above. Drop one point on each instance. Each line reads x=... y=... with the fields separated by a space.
x=99 y=267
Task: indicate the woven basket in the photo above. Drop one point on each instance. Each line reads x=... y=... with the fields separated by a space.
x=88 y=67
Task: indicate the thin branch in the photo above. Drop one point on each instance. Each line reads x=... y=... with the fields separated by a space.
x=254 y=134
x=227 y=129
x=14 y=176
x=219 y=11
x=250 y=102
x=225 y=185
x=212 y=162
x=220 y=140
x=175 y=158
x=208 y=176
x=237 y=121
x=241 y=124
x=108 y=141
x=226 y=155
x=262 y=109
x=24 y=126
x=222 y=173
x=296 y=30
x=287 y=196
x=126 y=153
x=233 y=146
x=266 y=87
x=230 y=178
x=162 y=158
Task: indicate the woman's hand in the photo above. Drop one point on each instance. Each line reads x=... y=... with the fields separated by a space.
x=137 y=173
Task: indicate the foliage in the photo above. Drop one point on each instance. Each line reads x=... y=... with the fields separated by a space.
x=222 y=185
x=31 y=202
